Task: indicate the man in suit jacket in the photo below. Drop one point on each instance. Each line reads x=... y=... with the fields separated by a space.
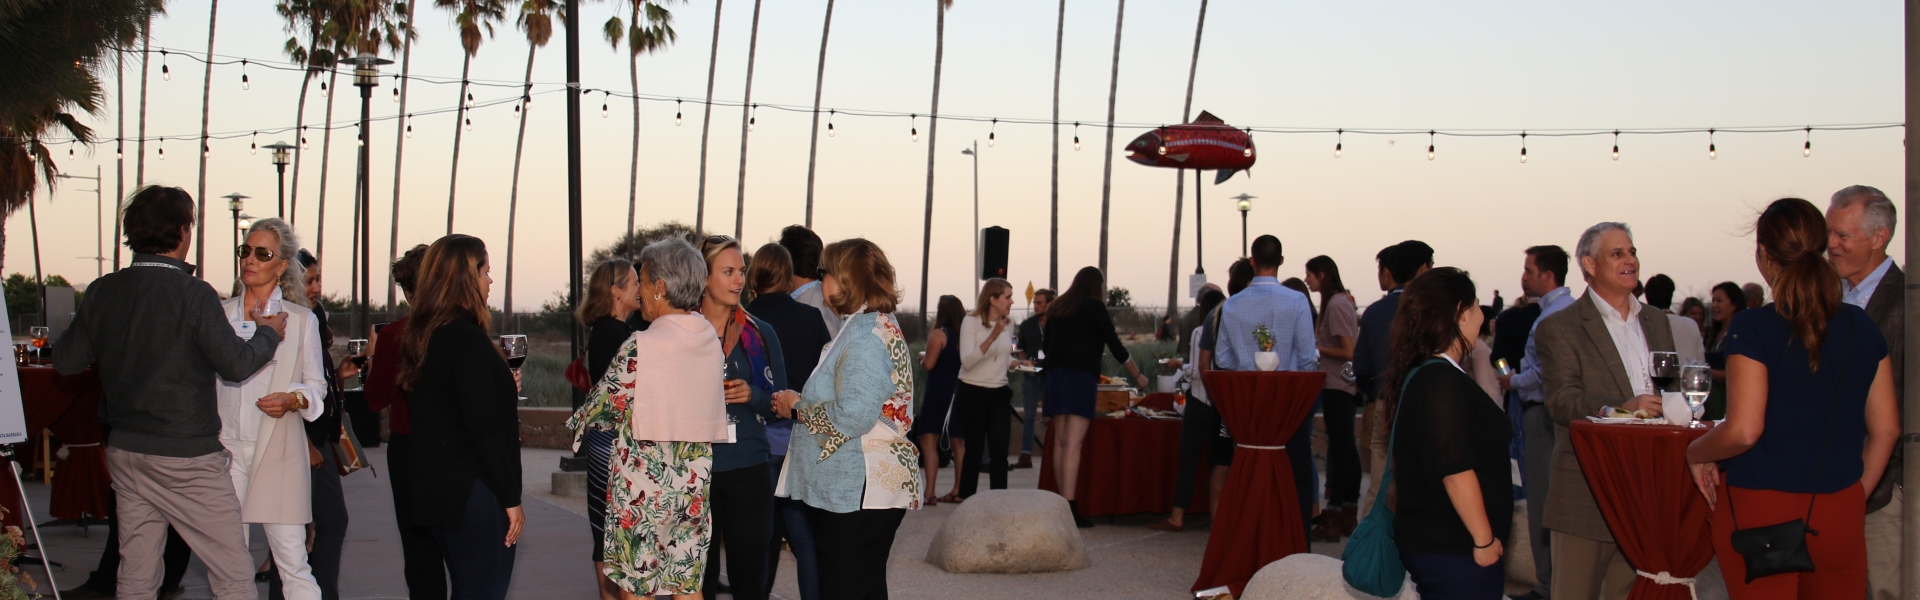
x=1860 y=223
x=1594 y=356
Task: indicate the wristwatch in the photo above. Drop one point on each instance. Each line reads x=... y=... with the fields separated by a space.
x=300 y=400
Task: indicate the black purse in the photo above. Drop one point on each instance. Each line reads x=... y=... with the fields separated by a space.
x=1782 y=548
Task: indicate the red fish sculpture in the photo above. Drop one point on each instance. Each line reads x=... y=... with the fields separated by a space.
x=1206 y=144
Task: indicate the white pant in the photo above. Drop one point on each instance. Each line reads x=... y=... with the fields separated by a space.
x=286 y=543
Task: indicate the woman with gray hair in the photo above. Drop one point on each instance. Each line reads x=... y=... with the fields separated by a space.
x=662 y=395
x=269 y=464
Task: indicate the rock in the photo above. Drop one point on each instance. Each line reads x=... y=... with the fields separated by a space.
x=1009 y=531
x=1519 y=548
x=569 y=484
x=1308 y=577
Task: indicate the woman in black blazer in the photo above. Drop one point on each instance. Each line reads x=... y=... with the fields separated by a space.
x=464 y=404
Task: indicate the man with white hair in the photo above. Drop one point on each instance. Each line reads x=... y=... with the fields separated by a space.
x=1860 y=221
x=1594 y=357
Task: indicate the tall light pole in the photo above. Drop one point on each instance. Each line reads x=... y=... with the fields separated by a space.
x=282 y=155
x=100 y=221
x=1246 y=204
x=235 y=202
x=366 y=76
x=975 y=153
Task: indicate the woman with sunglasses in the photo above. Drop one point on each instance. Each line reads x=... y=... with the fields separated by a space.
x=270 y=452
x=742 y=497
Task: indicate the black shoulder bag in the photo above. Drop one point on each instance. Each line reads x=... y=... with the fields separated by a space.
x=1782 y=548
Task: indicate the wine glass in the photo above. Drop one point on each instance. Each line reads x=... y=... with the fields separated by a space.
x=357 y=351
x=38 y=334
x=1663 y=369
x=1696 y=381
x=515 y=347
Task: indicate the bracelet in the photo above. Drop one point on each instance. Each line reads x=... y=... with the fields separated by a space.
x=1489 y=544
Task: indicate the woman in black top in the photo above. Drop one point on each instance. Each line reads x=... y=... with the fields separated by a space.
x=1078 y=330
x=613 y=292
x=463 y=401
x=329 y=498
x=1449 y=445
x=803 y=335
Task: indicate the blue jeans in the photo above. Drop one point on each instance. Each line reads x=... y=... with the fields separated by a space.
x=479 y=563
x=1455 y=577
x=790 y=522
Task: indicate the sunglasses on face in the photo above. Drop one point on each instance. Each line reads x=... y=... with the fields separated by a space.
x=260 y=253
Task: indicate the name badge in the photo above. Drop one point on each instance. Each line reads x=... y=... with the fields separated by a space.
x=244 y=329
x=733 y=436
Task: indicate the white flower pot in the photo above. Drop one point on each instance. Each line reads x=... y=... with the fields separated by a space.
x=1167 y=384
x=1266 y=361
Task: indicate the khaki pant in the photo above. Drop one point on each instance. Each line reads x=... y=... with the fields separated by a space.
x=196 y=497
x=1883 y=551
x=1585 y=569
x=1375 y=434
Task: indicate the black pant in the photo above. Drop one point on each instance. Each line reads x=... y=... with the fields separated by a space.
x=742 y=504
x=986 y=415
x=425 y=569
x=479 y=562
x=1343 y=453
x=329 y=528
x=1300 y=456
x=106 y=576
x=853 y=550
x=1199 y=433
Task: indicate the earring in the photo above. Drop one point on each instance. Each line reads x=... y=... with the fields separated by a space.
x=656 y=296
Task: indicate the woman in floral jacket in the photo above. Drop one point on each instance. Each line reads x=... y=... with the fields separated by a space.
x=849 y=459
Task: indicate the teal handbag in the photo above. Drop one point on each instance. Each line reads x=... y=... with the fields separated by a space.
x=1372 y=558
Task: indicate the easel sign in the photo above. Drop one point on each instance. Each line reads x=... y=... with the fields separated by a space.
x=13 y=419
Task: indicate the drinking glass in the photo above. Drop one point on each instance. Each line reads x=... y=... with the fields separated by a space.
x=357 y=350
x=38 y=334
x=1696 y=382
x=515 y=347
x=1663 y=369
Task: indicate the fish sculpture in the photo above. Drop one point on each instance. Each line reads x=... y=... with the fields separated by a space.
x=1206 y=144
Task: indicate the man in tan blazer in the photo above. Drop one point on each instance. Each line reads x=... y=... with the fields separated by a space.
x=1593 y=356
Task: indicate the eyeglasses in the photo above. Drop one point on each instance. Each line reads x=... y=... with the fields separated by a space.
x=260 y=253
x=714 y=241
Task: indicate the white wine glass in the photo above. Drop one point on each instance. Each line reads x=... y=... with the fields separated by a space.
x=1696 y=382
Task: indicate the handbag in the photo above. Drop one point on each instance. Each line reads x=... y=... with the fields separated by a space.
x=347 y=451
x=1371 y=560
x=1782 y=548
x=577 y=374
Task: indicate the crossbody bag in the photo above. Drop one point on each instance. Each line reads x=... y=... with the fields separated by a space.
x=1782 y=548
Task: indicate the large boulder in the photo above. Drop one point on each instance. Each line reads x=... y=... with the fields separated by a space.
x=1308 y=577
x=1009 y=531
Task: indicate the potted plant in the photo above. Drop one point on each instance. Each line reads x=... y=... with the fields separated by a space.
x=1266 y=359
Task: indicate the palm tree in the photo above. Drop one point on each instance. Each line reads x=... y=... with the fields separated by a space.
x=331 y=91
x=303 y=16
x=474 y=18
x=706 y=124
x=1113 y=93
x=1053 y=234
x=746 y=124
x=536 y=20
x=400 y=134
x=819 y=79
x=655 y=36
x=933 y=130
x=206 y=94
x=1179 y=189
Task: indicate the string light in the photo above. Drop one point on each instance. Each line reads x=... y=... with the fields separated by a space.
x=830 y=123
x=1339 y=141
x=163 y=148
x=469 y=123
x=603 y=104
x=1616 y=144
x=409 y=125
x=396 y=89
x=1712 y=152
x=1076 y=136
x=990 y=131
x=915 y=132
x=1248 y=151
x=677 y=113
x=516 y=111
x=303 y=137
x=205 y=150
x=1523 y=147
x=463 y=83
x=165 y=73
x=1429 y=144
x=69 y=150
x=323 y=89
x=118 y=148
x=244 y=85
x=753 y=115
x=1807 y=149
x=253 y=146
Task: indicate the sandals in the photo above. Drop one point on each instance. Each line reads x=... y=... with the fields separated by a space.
x=1168 y=526
x=953 y=498
x=930 y=501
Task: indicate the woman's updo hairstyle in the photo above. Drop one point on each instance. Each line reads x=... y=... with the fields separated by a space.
x=1792 y=234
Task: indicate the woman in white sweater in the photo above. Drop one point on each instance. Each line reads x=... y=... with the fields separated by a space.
x=984 y=402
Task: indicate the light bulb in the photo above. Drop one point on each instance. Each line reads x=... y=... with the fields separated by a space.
x=165 y=74
x=205 y=151
x=1712 y=153
x=829 y=130
x=396 y=92
x=409 y=131
x=163 y=154
x=603 y=110
x=1076 y=143
x=1429 y=151
x=516 y=111
x=1523 y=156
x=1807 y=150
x=116 y=152
x=243 y=82
x=915 y=134
x=69 y=151
x=676 y=119
x=360 y=141
x=1616 y=152
x=989 y=139
x=1163 y=150
x=750 y=121
x=469 y=124
x=1336 y=149
x=323 y=89
x=303 y=142
x=253 y=148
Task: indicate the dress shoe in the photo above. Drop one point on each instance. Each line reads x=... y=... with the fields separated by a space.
x=1026 y=462
x=173 y=593
x=86 y=591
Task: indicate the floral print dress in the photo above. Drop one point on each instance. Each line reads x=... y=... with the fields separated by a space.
x=658 y=526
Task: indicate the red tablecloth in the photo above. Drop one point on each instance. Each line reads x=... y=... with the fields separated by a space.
x=1259 y=520
x=1128 y=466
x=69 y=407
x=1639 y=476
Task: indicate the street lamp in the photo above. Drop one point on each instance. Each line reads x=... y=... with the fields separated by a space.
x=366 y=76
x=99 y=225
x=975 y=153
x=1246 y=204
x=234 y=202
x=282 y=155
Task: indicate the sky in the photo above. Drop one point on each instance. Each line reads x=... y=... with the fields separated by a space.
x=1368 y=64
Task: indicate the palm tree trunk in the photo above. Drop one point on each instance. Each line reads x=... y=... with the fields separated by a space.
x=399 y=144
x=326 y=152
x=633 y=170
x=206 y=94
x=819 y=81
x=459 y=118
x=1053 y=234
x=513 y=196
x=706 y=125
x=1186 y=114
x=1106 y=179
x=140 y=160
x=746 y=125
x=300 y=131
x=119 y=148
x=933 y=130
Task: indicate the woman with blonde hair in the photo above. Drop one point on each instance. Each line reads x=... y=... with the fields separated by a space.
x=983 y=400
x=464 y=404
x=852 y=464
x=269 y=463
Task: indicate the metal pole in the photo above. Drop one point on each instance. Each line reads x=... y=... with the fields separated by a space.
x=99 y=227
x=1243 y=234
x=577 y=462
x=977 y=262
x=282 y=213
x=1910 y=442
x=237 y=240
x=26 y=506
x=363 y=324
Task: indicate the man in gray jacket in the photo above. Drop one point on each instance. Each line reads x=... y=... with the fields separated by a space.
x=1860 y=222
x=159 y=338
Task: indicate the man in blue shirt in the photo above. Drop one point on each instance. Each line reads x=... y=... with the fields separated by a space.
x=1399 y=264
x=1288 y=317
x=1544 y=277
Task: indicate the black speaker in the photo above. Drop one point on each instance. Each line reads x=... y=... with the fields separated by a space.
x=993 y=252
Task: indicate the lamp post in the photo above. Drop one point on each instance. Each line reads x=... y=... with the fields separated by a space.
x=1246 y=204
x=234 y=203
x=975 y=153
x=99 y=218
x=282 y=155
x=366 y=76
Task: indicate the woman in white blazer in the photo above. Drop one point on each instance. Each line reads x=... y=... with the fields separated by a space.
x=270 y=460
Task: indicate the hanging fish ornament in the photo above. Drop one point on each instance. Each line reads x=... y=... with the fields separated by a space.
x=1206 y=144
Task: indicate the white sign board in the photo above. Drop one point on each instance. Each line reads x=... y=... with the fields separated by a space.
x=13 y=420
x=1194 y=283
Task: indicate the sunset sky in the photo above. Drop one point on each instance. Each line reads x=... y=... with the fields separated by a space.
x=1479 y=66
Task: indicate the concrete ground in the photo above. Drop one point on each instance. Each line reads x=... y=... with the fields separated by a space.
x=1129 y=560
